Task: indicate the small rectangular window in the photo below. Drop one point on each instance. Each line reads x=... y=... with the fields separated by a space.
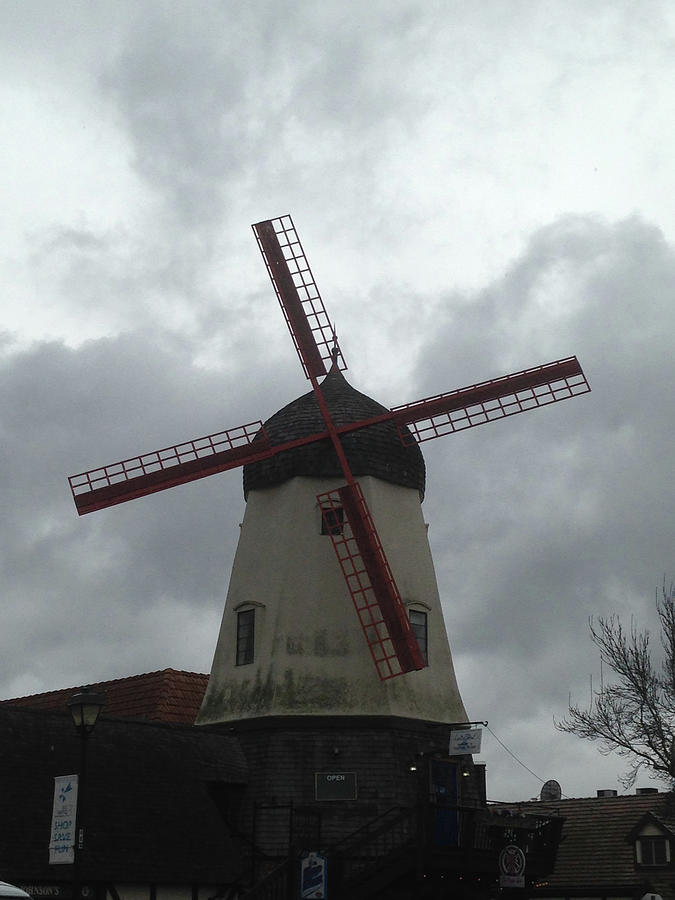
x=245 y=636
x=418 y=621
x=654 y=851
x=332 y=519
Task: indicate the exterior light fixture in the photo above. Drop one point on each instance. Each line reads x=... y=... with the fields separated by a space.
x=85 y=708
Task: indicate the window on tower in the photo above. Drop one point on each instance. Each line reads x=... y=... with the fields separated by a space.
x=245 y=636
x=332 y=519
x=418 y=621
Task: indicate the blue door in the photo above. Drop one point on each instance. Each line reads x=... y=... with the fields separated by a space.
x=445 y=794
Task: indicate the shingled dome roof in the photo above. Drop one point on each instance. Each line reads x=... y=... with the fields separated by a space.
x=376 y=450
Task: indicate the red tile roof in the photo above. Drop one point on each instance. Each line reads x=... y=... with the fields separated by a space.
x=165 y=696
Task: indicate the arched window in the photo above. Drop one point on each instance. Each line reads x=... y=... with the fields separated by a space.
x=418 y=621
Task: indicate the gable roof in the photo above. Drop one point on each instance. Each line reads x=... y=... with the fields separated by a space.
x=164 y=696
x=596 y=850
x=667 y=829
x=151 y=816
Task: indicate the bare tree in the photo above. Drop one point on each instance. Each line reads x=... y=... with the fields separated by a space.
x=634 y=714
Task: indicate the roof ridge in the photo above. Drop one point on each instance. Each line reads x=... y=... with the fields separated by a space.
x=106 y=681
x=644 y=798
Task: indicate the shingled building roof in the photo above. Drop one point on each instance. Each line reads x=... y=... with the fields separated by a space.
x=376 y=450
x=596 y=855
x=165 y=696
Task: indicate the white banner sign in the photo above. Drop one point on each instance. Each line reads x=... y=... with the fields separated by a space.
x=466 y=740
x=62 y=840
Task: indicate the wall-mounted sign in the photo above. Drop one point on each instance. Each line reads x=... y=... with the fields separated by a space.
x=511 y=867
x=313 y=876
x=465 y=740
x=62 y=838
x=335 y=785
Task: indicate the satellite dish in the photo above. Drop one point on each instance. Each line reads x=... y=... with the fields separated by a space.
x=551 y=791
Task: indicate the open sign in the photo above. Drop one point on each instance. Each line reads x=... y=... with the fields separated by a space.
x=335 y=785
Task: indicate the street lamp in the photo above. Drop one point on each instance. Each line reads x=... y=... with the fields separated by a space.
x=84 y=709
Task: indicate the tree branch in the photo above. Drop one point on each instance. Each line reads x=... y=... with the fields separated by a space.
x=633 y=715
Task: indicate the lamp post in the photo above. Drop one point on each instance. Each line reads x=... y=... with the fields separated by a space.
x=84 y=709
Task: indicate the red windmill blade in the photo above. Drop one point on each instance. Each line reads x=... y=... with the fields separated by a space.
x=357 y=545
x=298 y=295
x=490 y=400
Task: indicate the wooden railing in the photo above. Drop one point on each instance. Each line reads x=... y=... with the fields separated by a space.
x=275 y=885
x=405 y=837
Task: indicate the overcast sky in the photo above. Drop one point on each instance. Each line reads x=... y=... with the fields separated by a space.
x=479 y=188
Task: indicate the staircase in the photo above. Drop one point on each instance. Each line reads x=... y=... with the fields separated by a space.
x=376 y=854
x=276 y=885
x=360 y=864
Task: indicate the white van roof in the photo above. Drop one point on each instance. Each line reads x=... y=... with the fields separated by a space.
x=9 y=890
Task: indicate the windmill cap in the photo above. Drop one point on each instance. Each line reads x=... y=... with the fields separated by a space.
x=376 y=450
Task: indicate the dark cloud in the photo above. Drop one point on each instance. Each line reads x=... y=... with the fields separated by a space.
x=179 y=91
x=540 y=521
x=141 y=569
x=229 y=106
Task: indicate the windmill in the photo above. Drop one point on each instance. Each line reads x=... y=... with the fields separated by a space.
x=347 y=518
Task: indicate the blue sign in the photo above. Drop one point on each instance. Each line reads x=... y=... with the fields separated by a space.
x=313 y=875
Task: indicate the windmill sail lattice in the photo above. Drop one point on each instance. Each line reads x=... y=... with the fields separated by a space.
x=490 y=400
x=308 y=323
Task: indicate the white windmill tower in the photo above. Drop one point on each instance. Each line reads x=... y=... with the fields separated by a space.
x=290 y=643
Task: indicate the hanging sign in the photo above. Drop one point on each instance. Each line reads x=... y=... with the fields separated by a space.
x=62 y=838
x=465 y=740
x=313 y=876
x=511 y=867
